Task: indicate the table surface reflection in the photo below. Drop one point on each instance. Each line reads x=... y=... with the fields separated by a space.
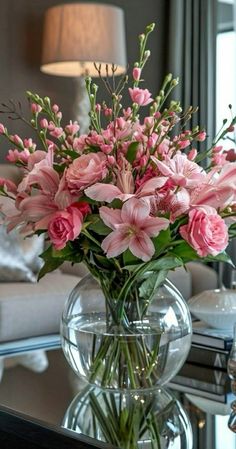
x=47 y=395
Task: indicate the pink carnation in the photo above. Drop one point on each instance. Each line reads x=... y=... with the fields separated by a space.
x=140 y=96
x=206 y=231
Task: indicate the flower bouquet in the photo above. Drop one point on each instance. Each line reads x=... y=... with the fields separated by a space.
x=131 y=200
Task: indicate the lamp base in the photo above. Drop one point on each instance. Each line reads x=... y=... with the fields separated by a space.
x=81 y=105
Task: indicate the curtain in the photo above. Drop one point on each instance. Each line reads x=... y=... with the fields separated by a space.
x=191 y=55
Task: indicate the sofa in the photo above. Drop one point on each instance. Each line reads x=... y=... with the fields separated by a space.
x=29 y=309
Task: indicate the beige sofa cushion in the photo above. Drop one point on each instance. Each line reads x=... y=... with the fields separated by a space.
x=28 y=310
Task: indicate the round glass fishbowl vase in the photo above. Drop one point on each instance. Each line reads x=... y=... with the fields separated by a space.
x=141 y=352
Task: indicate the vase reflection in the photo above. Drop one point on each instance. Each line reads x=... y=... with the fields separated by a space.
x=152 y=419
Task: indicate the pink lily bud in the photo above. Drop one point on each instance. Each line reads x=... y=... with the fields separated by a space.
x=143 y=161
x=2 y=129
x=230 y=129
x=217 y=149
x=59 y=115
x=201 y=136
x=108 y=112
x=55 y=108
x=149 y=122
x=17 y=140
x=192 y=154
x=111 y=160
x=98 y=107
x=136 y=73
x=44 y=123
x=35 y=108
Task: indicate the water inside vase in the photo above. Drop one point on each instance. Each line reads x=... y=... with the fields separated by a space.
x=141 y=357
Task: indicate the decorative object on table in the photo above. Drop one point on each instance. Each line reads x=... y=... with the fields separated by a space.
x=75 y=36
x=131 y=200
x=217 y=308
x=154 y=419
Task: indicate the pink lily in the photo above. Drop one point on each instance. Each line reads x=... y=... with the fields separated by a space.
x=181 y=170
x=132 y=228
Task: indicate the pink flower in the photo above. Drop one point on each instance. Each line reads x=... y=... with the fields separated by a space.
x=140 y=96
x=86 y=170
x=55 y=108
x=132 y=228
x=65 y=226
x=44 y=123
x=2 y=129
x=18 y=156
x=72 y=128
x=206 y=231
x=57 y=132
x=192 y=154
x=201 y=136
x=181 y=170
x=8 y=185
x=136 y=73
x=35 y=108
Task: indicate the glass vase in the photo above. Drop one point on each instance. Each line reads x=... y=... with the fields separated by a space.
x=150 y=419
x=141 y=348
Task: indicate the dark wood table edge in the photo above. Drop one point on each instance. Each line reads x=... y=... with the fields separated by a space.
x=24 y=431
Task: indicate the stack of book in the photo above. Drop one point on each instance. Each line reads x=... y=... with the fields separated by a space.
x=208 y=383
x=210 y=347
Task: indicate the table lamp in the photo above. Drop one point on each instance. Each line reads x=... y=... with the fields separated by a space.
x=77 y=35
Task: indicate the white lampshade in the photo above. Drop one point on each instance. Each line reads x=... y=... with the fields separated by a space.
x=78 y=34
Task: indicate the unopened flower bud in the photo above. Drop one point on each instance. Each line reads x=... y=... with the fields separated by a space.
x=44 y=123
x=136 y=73
x=2 y=129
x=55 y=108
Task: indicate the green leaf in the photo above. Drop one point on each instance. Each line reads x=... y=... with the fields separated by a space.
x=164 y=263
x=185 y=252
x=131 y=152
x=98 y=226
x=49 y=265
x=161 y=241
x=222 y=257
x=232 y=231
x=150 y=285
x=129 y=258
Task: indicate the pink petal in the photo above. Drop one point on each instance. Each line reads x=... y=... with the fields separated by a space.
x=115 y=243
x=111 y=217
x=152 y=184
x=228 y=174
x=134 y=211
x=153 y=225
x=141 y=246
x=102 y=192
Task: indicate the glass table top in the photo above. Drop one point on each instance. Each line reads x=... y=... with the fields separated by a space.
x=56 y=397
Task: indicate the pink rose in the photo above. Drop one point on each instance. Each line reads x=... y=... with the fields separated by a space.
x=140 y=96
x=65 y=226
x=86 y=170
x=206 y=231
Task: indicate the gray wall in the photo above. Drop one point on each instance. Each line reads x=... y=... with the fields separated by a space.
x=20 y=49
